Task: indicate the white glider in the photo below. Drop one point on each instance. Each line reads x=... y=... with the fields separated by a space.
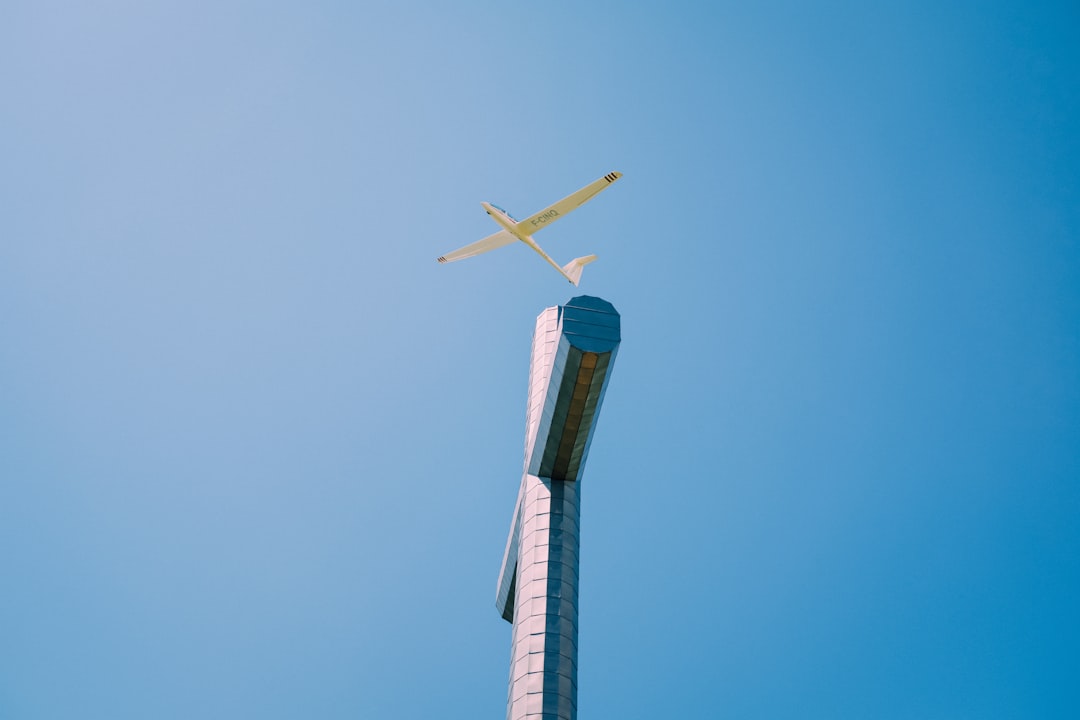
x=523 y=231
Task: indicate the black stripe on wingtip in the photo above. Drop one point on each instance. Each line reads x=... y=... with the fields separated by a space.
x=442 y=259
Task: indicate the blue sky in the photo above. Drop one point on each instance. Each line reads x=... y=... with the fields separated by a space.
x=258 y=451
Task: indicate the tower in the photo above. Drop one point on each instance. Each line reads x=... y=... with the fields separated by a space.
x=573 y=349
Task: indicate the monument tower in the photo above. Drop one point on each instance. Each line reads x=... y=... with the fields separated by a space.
x=573 y=350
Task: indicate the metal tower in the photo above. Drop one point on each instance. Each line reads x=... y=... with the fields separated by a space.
x=573 y=349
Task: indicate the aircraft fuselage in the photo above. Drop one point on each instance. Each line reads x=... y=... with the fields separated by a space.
x=512 y=226
x=503 y=218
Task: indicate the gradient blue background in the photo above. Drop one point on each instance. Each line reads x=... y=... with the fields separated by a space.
x=258 y=451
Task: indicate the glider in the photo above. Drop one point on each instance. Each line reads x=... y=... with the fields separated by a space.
x=513 y=230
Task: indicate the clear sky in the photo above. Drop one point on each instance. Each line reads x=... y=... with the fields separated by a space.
x=258 y=451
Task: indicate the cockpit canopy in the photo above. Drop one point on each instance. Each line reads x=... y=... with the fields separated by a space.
x=503 y=211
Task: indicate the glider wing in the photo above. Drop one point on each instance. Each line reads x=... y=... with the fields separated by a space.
x=571 y=202
x=491 y=242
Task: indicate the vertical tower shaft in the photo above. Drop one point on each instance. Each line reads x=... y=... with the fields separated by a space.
x=543 y=668
x=573 y=348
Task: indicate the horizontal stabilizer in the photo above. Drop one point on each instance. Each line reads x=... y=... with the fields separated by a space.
x=574 y=267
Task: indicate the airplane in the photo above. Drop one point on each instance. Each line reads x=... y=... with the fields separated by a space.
x=513 y=230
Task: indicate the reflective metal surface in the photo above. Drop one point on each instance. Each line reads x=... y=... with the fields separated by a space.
x=574 y=346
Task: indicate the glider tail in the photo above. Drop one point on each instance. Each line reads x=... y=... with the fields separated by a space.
x=573 y=269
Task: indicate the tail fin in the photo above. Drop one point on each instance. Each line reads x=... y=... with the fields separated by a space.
x=574 y=267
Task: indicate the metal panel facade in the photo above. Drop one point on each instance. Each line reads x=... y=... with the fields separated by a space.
x=574 y=346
